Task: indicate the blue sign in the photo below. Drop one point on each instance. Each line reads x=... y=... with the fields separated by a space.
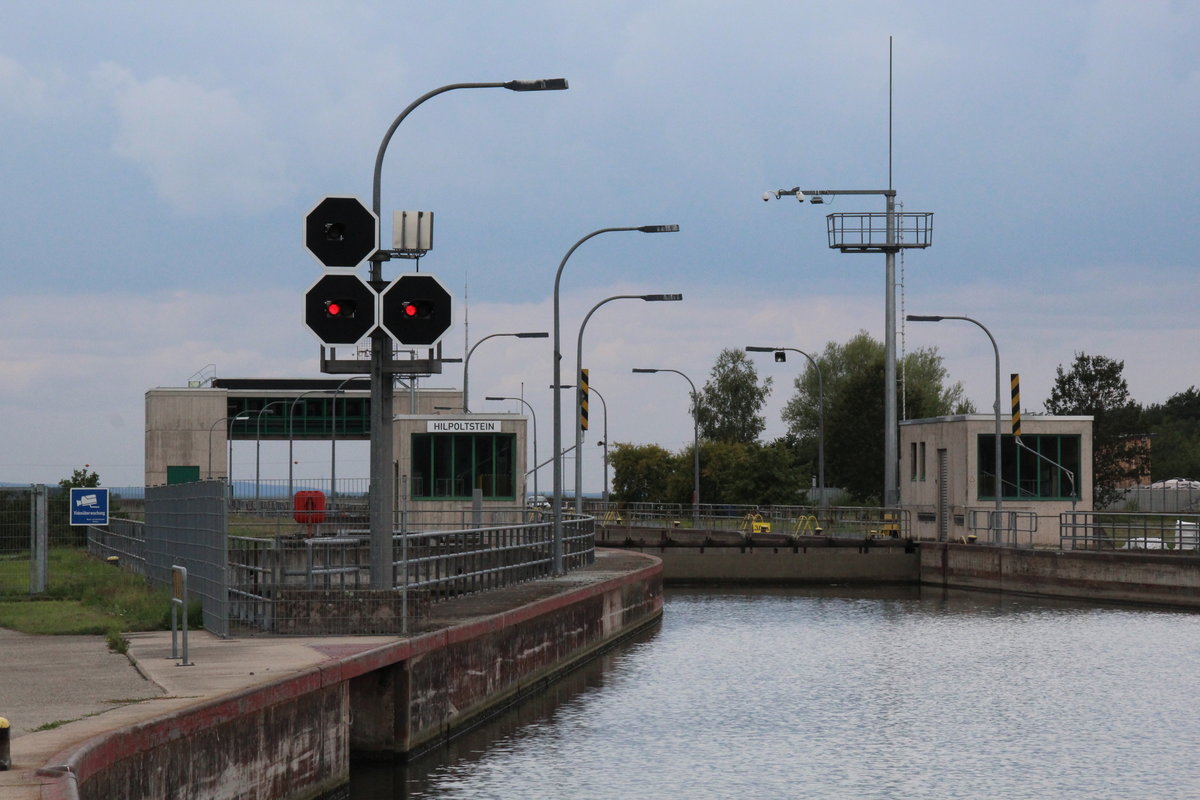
x=89 y=506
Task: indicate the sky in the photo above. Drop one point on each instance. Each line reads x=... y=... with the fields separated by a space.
x=158 y=160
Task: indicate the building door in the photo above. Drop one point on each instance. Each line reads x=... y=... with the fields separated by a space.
x=943 y=496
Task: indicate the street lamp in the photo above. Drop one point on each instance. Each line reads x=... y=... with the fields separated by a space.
x=291 y=433
x=467 y=360
x=333 y=443
x=210 y=433
x=557 y=383
x=695 y=441
x=603 y=405
x=779 y=356
x=863 y=233
x=995 y=526
x=534 y=416
x=258 y=444
x=382 y=494
x=580 y=398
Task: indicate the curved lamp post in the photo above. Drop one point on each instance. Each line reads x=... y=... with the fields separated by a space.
x=651 y=298
x=382 y=494
x=210 y=433
x=291 y=434
x=467 y=360
x=995 y=526
x=779 y=351
x=604 y=405
x=695 y=442
x=556 y=385
x=258 y=444
x=534 y=416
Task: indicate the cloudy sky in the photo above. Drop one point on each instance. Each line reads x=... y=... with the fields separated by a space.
x=158 y=159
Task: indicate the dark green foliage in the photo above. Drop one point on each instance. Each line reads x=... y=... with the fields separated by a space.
x=853 y=376
x=1095 y=386
x=1174 y=427
x=731 y=399
x=640 y=472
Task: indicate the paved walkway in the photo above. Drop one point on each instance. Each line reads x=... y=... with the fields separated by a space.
x=59 y=691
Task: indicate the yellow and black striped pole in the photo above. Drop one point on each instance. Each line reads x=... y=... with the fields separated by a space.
x=583 y=401
x=1015 y=381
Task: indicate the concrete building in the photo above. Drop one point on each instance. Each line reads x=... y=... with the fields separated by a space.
x=948 y=481
x=441 y=456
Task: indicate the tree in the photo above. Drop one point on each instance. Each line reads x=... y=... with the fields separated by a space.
x=728 y=408
x=1174 y=427
x=80 y=479
x=741 y=473
x=1095 y=386
x=641 y=472
x=853 y=375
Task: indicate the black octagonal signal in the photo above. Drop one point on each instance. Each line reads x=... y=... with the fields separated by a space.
x=340 y=309
x=341 y=231
x=416 y=309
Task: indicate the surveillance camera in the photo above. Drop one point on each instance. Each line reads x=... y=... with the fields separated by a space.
x=800 y=196
x=767 y=196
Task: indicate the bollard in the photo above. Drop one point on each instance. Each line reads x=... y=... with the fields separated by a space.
x=5 y=747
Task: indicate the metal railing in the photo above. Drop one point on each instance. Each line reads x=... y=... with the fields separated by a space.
x=1092 y=530
x=321 y=585
x=831 y=521
x=123 y=539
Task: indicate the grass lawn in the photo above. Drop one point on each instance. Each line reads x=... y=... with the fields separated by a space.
x=84 y=596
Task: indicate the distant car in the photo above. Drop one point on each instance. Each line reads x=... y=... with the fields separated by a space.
x=537 y=501
x=1144 y=543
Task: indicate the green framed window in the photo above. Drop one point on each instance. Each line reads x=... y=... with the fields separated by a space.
x=1036 y=471
x=450 y=466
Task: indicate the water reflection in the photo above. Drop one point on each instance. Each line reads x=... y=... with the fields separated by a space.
x=845 y=692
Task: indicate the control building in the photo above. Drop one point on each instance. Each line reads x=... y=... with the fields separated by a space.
x=948 y=480
x=442 y=456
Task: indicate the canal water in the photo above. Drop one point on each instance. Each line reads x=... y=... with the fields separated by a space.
x=833 y=693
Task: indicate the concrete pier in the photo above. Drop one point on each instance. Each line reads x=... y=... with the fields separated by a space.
x=278 y=717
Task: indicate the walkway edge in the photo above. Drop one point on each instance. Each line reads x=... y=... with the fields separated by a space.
x=66 y=775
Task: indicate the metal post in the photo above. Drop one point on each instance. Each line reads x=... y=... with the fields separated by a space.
x=653 y=298
x=997 y=539
x=382 y=498
x=39 y=540
x=820 y=410
x=535 y=450
x=695 y=441
x=556 y=386
x=604 y=406
x=891 y=425
x=258 y=446
x=467 y=360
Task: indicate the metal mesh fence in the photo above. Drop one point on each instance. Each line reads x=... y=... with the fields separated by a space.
x=32 y=520
x=186 y=526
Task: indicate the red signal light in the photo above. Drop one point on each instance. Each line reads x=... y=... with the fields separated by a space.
x=417 y=309
x=340 y=309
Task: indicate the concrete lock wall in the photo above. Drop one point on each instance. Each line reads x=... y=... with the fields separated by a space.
x=1119 y=577
x=291 y=739
x=452 y=678
x=781 y=565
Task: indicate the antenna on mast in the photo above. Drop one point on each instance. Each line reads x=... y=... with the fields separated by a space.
x=889 y=111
